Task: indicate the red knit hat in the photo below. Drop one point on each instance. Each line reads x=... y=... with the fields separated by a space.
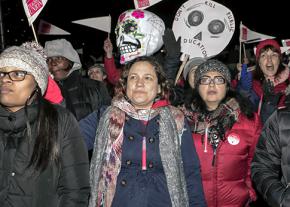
x=264 y=43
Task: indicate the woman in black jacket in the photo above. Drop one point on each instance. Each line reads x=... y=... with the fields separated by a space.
x=43 y=159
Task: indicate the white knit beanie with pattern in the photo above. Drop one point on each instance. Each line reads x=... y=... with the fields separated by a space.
x=28 y=57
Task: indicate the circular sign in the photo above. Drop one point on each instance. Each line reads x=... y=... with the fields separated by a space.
x=205 y=28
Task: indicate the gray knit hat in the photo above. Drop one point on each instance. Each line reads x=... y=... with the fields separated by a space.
x=63 y=48
x=28 y=57
x=209 y=66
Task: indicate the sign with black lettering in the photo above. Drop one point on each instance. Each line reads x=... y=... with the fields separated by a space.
x=205 y=27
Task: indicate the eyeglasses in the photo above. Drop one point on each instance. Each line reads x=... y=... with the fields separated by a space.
x=57 y=60
x=217 y=80
x=16 y=75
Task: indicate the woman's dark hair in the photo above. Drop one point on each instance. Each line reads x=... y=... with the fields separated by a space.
x=46 y=147
x=258 y=73
x=192 y=98
x=161 y=77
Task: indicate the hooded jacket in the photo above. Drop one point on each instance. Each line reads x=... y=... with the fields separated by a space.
x=82 y=95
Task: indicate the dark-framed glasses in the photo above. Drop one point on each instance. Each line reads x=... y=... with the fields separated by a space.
x=16 y=75
x=217 y=80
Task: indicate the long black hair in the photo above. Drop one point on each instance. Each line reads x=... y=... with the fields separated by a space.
x=46 y=147
x=193 y=98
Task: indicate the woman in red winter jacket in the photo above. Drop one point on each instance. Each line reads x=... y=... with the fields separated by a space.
x=225 y=132
x=269 y=81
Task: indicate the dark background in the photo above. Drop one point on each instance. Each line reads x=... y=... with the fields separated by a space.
x=266 y=17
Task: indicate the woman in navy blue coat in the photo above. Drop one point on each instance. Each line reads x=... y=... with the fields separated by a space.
x=144 y=154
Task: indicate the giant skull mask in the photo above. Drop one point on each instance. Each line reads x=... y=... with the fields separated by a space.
x=138 y=33
x=205 y=27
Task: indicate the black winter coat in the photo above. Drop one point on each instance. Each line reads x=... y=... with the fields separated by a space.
x=63 y=186
x=171 y=65
x=82 y=95
x=271 y=164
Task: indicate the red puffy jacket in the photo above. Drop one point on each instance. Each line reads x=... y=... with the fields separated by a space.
x=228 y=183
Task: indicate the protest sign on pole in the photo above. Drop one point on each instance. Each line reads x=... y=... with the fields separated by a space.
x=32 y=9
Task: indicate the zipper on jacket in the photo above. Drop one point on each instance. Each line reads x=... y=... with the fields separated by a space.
x=214 y=161
x=206 y=138
x=214 y=156
x=215 y=196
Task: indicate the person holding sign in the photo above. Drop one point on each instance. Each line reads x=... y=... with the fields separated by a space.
x=269 y=81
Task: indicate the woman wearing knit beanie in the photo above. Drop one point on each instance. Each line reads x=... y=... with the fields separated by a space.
x=225 y=132
x=269 y=81
x=42 y=153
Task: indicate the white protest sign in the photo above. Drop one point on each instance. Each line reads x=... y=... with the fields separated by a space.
x=205 y=27
x=100 y=23
x=32 y=8
x=144 y=4
x=46 y=28
x=249 y=36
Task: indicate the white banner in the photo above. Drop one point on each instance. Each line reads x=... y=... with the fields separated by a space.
x=143 y=4
x=249 y=36
x=100 y=23
x=46 y=28
x=286 y=46
x=32 y=8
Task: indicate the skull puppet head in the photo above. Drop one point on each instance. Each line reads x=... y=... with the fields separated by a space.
x=138 y=33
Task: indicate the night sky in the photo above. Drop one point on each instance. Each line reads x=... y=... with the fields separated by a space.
x=260 y=16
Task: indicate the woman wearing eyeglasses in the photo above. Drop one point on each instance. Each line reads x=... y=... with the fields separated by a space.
x=225 y=132
x=43 y=158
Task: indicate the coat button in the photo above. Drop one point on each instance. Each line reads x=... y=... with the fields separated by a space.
x=131 y=138
x=123 y=182
x=128 y=162
x=151 y=140
x=13 y=174
x=150 y=165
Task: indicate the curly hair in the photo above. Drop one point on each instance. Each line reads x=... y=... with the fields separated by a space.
x=165 y=85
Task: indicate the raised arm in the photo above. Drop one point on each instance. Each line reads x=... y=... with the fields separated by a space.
x=113 y=74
